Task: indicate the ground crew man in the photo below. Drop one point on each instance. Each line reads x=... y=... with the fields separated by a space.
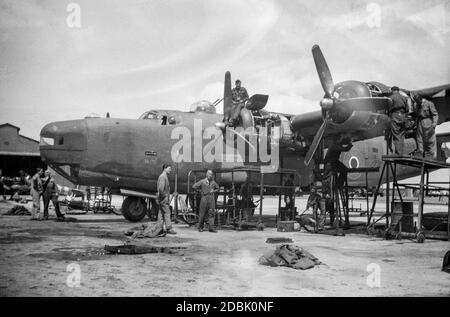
x=50 y=193
x=36 y=192
x=333 y=166
x=289 y=193
x=240 y=97
x=332 y=162
x=315 y=202
x=400 y=106
x=427 y=119
x=23 y=178
x=163 y=199
x=247 y=204
x=208 y=189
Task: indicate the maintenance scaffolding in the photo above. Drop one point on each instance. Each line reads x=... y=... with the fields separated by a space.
x=340 y=203
x=235 y=215
x=394 y=221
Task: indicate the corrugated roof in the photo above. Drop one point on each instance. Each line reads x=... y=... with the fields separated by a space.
x=19 y=153
x=18 y=129
x=9 y=124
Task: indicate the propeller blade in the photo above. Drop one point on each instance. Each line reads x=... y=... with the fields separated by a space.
x=315 y=144
x=227 y=97
x=242 y=138
x=323 y=71
x=372 y=104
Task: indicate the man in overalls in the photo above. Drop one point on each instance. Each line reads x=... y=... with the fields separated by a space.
x=208 y=189
x=427 y=119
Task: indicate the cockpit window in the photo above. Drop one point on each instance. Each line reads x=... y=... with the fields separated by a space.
x=149 y=115
x=162 y=119
x=375 y=90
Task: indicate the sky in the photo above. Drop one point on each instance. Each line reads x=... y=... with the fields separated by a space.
x=128 y=57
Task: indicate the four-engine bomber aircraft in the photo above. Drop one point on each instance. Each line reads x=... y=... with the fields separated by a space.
x=127 y=154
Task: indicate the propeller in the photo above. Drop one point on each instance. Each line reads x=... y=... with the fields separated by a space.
x=326 y=103
x=227 y=97
x=227 y=108
x=324 y=72
x=317 y=138
x=335 y=109
x=227 y=103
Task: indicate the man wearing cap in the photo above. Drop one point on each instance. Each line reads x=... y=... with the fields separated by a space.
x=400 y=106
x=163 y=198
x=240 y=97
x=427 y=119
x=50 y=193
x=208 y=189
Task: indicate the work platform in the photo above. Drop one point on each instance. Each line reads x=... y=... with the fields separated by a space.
x=398 y=212
x=235 y=213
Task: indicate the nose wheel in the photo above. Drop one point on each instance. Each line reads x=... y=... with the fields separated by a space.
x=134 y=208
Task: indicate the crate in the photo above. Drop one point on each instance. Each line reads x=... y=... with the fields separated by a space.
x=403 y=213
x=286 y=226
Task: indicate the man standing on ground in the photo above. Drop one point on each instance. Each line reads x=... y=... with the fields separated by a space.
x=334 y=167
x=247 y=205
x=36 y=192
x=164 y=214
x=208 y=188
x=289 y=193
x=51 y=194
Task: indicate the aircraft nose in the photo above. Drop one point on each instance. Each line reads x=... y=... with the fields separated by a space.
x=63 y=142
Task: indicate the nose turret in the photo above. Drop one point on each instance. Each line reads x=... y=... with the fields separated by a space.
x=63 y=142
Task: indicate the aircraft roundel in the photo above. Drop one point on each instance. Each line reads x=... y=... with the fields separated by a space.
x=353 y=159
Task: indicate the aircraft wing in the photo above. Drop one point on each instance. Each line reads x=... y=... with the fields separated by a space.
x=440 y=96
x=442 y=90
x=360 y=125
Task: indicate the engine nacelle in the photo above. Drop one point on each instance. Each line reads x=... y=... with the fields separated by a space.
x=276 y=126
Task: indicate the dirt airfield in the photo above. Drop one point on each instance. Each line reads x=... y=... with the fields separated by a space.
x=43 y=258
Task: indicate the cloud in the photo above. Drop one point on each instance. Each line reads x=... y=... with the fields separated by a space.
x=135 y=56
x=229 y=31
x=434 y=21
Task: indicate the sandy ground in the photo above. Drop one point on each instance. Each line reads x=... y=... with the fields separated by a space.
x=39 y=259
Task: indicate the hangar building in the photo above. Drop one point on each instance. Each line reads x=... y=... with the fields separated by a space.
x=18 y=152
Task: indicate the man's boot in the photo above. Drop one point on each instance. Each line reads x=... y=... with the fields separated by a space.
x=171 y=231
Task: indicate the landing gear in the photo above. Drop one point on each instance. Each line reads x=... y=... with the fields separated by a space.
x=134 y=208
x=153 y=210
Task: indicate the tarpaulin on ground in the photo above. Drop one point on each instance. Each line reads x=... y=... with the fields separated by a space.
x=18 y=211
x=137 y=249
x=147 y=231
x=290 y=255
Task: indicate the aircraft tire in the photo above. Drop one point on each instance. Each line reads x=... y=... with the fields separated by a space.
x=134 y=209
